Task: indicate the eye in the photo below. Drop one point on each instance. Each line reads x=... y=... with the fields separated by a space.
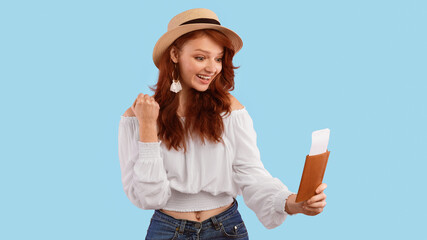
x=219 y=59
x=199 y=58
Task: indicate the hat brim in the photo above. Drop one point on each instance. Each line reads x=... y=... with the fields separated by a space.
x=169 y=37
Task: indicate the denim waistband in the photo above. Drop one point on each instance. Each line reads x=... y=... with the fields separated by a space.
x=197 y=226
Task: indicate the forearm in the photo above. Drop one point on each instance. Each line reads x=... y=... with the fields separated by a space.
x=143 y=174
x=149 y=181
x=148 y=132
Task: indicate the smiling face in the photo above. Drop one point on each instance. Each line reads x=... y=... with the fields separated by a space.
x=199 y=61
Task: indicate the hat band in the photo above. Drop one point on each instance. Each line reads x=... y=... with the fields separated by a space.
x=201 y=20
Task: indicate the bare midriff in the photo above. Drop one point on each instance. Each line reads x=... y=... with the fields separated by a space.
x=198 y=216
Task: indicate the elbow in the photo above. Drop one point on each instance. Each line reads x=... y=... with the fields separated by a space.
x=152 y=203
x=149 y=200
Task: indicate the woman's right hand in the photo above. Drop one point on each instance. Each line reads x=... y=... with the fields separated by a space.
x=146 y=109
x=311 y=207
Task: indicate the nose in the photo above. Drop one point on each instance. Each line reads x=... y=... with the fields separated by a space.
x=210 y=66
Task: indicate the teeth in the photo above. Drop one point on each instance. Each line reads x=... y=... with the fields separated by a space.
x=206 y=78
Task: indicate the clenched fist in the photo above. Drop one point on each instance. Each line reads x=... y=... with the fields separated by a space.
x=146 y=109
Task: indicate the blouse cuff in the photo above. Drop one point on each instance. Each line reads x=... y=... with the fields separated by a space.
x=280 y=203
x=149 y=150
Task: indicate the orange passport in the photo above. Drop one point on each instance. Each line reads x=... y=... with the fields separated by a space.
x=312 y=175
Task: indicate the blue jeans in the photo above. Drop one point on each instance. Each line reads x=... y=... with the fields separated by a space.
x=226 y=225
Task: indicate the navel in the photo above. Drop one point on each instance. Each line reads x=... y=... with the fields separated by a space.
x=198 y=215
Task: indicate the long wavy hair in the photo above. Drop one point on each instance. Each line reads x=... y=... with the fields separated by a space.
x=204 y=110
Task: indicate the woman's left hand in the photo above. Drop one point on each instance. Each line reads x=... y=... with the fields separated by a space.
x=312 y=206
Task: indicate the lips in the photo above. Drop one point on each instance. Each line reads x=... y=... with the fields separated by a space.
x=204 y=79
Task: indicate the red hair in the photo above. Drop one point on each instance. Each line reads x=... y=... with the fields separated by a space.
x=204 y=109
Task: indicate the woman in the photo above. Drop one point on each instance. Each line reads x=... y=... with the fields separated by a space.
x=190 y=149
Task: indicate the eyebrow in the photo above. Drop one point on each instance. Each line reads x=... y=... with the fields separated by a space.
x=207 y=51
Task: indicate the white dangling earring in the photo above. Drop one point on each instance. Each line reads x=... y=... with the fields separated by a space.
x=176 y=84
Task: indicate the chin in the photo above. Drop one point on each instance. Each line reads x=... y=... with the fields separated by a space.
x=201 y=88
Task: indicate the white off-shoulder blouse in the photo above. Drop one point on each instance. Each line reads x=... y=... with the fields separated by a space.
x=207 y=176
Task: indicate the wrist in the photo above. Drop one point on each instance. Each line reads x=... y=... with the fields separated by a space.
x=148 y=132
x=147 y=123
x=291 y=207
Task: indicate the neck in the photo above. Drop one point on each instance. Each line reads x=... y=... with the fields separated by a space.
x=183 y=96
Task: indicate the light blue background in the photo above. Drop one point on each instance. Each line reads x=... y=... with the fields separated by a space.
x=69 y=69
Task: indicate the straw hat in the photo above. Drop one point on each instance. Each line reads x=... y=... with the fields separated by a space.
x=191 y=20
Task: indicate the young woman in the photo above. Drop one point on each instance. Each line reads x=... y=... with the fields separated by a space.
x=190 y=149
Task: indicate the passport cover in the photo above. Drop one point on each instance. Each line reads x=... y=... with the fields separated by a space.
x=312 y=175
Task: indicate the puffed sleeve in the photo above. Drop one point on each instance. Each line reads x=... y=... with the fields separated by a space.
x=261 y=192
x=143 y=175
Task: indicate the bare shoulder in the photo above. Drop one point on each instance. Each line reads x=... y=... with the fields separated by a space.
x=235 y=104
x=129 y=113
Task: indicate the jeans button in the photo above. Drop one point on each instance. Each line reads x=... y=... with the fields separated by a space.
x=197 y=225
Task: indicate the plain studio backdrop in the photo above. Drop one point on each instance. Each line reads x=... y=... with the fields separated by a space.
x=69 y=70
